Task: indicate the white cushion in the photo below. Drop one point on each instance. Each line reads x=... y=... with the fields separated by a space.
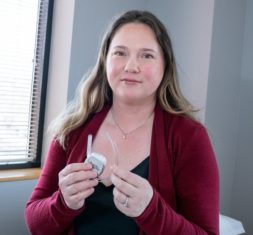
x=230 y=226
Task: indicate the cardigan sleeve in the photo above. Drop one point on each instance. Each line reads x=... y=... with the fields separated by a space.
x=46 y=211
x=196 y=183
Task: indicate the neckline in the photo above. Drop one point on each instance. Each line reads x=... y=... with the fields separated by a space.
x=123 y=132
x=140 y=164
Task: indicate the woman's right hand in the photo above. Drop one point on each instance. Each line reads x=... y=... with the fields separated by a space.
x=77 y=182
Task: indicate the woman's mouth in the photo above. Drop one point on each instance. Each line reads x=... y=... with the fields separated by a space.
x=130 y=81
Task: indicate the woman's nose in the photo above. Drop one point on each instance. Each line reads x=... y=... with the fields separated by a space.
x=132 y=65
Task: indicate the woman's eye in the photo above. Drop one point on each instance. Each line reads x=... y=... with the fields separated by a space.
x=119 y=53
x=147 y=56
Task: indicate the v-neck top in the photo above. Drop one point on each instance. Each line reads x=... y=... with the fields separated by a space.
x=101 y=215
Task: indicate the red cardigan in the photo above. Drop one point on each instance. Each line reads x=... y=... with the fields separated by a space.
x=182 y=170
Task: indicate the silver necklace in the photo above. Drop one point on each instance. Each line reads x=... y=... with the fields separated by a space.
x=124 y=133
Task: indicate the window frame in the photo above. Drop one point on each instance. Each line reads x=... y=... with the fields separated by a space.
x=44 y=79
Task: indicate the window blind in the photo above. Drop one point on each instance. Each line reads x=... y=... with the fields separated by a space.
x=23 y=71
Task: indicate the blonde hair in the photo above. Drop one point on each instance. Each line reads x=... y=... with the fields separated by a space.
x=94 y=92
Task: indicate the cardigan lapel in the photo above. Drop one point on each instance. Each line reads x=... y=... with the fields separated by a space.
x=161 y=155
x=157 y=148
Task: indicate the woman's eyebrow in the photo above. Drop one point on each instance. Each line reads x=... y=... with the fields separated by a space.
x=141 y=49
x=120 y=47
x=148 y=50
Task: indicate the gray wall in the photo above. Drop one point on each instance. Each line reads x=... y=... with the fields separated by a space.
x=190 y=27
x=229 y=112
x=242 y=193
x=13 y=198
x=223 y=89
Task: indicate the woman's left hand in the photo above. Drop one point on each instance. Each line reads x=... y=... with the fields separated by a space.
x=131 y=193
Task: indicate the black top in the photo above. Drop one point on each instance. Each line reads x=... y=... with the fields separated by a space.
x=102 y=217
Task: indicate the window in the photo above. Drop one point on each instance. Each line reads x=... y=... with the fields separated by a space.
x=24 y=53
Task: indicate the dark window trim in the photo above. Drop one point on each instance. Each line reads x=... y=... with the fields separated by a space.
x=37 y=162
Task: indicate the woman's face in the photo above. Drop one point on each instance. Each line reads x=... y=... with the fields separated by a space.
x=134 y=64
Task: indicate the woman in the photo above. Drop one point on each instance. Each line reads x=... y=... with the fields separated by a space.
x=160 y=175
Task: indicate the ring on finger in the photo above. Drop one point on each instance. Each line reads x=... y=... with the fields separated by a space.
x=125 y=204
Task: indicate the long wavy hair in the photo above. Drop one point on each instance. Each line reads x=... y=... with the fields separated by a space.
x=94 y=92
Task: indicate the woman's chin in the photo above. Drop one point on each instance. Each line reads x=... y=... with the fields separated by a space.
x=132 y=100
